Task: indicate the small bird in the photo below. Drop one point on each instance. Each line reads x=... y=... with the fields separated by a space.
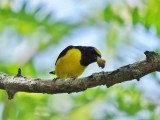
x=73 y=60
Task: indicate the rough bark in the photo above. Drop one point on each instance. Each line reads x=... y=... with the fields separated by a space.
x=18 y=83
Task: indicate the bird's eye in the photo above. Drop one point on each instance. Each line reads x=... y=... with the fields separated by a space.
x=96 y=56
x=99 y=56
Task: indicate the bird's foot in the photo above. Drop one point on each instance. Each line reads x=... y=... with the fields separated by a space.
x=74 y=77
x=54 y=79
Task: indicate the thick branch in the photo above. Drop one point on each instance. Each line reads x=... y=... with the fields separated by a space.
x=133 y=71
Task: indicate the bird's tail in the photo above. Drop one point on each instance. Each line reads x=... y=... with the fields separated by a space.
x=52 y=72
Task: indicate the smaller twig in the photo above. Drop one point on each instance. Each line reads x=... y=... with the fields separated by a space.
x=11 y=94
x=150 y=55
x=19 y=73
x=138 y=79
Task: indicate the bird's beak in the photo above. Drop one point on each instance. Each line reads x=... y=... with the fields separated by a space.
x=101 y=62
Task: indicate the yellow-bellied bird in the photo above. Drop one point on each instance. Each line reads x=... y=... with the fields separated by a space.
x=73 y=60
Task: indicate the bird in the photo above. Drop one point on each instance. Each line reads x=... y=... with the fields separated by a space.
x=73 y=60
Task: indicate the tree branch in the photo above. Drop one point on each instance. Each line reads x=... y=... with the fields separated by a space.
x=18 y=83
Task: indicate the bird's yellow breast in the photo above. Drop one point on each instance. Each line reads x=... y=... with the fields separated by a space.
x=69 y=65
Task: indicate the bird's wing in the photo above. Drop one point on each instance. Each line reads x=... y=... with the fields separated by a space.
x=64 y=52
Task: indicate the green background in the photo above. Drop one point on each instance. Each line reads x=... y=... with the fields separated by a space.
x=32 y=34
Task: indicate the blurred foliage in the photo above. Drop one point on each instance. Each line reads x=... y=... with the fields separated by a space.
x=27 y=23
x=139 y=12
x=84 y=105
x=100 y=103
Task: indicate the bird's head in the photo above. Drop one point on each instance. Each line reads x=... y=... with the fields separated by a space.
x=90 y=55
